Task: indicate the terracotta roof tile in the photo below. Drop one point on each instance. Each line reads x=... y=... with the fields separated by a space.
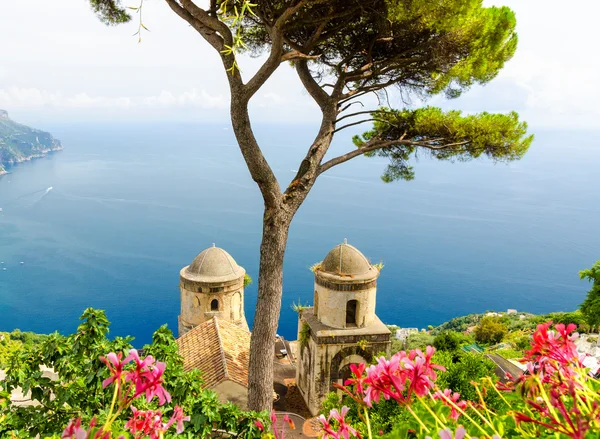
x=220 y=349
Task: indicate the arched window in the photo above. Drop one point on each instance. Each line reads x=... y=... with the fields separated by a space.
x=214 y=305
x=351 y=313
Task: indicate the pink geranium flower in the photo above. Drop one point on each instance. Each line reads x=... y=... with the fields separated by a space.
x=74 y=430
x=451 y=400
x=177 y=418
x=115 y=367
x=344 y=430
x=401 y=376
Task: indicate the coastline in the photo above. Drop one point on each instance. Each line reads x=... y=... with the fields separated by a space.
x=41 y=154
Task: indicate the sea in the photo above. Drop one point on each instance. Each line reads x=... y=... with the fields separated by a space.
x=131 y=204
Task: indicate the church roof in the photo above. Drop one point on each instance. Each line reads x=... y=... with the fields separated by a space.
x=213 y=265
x=346 y=260
x=219 y=349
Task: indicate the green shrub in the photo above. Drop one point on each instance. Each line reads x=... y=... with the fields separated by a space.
x=419 y=340
x=490 y=330
x=446 y=341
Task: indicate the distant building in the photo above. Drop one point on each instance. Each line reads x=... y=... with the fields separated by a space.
x=403 y=333
x=212 y=286
x=342 y=328
x=511 y=311
x=221 y=351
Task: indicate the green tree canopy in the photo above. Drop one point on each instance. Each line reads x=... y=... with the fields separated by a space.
x=446 y=341
x=490 y=330
x=343 y=50
x=590 y=307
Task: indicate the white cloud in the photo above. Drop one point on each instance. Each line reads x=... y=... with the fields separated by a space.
x=192 y=98
x=61 y=57
x=35 y=98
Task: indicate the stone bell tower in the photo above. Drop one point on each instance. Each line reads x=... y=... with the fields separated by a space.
x=342 y=327
x=212 y=285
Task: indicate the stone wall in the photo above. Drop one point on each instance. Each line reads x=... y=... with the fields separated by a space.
x=331 y=305
x=197 y=297
x=325 y=355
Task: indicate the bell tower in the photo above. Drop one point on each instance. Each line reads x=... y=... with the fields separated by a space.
x=212 y=285
x=342 y=327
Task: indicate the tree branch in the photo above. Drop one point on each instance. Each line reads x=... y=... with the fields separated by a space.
x=352 y=124
x=208 y=34
x=314 y=89
x=275 y=56
x=380 y=144
x=356 y=114
x=355 y=153
x=212 y=23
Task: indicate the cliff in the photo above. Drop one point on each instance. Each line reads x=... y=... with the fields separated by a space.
x=19 y=143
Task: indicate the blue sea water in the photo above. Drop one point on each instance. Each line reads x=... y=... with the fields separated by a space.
x=131 y=205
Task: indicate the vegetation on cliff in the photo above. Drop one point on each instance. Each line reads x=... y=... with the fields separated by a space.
x=19 y=143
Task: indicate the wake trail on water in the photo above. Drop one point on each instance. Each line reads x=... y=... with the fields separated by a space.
x=30 y=194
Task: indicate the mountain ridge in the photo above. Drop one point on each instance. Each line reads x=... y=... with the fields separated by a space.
x=20 y=143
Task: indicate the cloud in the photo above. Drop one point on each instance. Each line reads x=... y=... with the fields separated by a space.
x=193 y=98
x=15 y=97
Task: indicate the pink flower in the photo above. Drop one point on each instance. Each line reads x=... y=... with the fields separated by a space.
x=259 y=425
x=115 y=366
x=344 y=429
x=148 y=379
x=401 y=376
x=178 y=418
x=279 y=434
x=451 y=400
x=74 y=430
x=358 y=370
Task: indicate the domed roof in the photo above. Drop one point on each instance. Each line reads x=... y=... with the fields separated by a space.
x=213 y=265
x=346 y=260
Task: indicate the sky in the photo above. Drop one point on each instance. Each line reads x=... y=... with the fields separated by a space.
x=60 y=64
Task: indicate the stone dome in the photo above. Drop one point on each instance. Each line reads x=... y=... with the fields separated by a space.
x=213 y=265
x=346 y=260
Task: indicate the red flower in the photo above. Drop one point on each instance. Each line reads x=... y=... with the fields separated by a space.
x=145 y=423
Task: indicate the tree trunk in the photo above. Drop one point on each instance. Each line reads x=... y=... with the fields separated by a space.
x=276 y=223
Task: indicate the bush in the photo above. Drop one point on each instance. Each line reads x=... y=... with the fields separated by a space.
x=490 y=330
x=419 y=340
x=78 y=391
x=461 y=369
x=446 y=341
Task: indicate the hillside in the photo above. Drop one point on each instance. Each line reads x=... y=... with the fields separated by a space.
x=19 y=143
